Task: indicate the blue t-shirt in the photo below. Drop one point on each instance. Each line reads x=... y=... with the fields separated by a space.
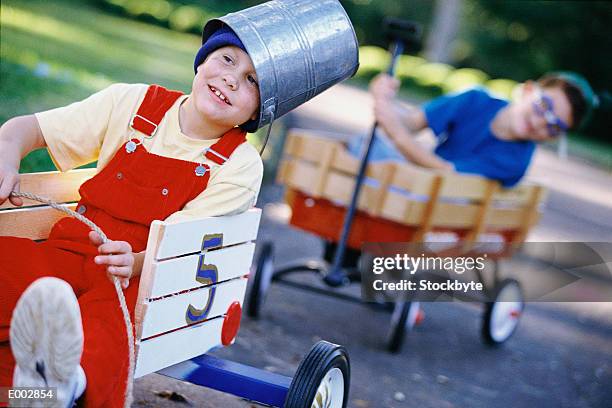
x=462 y=124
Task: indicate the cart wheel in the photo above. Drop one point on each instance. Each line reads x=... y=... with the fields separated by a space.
x=501 y=316
x=405 y=316
x=261 y=281
x=322 y=379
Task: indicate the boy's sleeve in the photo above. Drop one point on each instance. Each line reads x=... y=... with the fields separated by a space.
x=74 y=133
x=442 y=112
x=231 y=190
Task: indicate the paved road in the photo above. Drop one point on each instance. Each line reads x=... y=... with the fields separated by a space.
x=561 y=355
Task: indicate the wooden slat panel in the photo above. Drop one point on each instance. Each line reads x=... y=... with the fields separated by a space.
x=445 y=215
x=323 y=134
x=308 y=148
x=34 y=223
x=428 y=221
x=326 y=157
x=346 y=162
x=339 y=188
x=398 y=204
x=177 y=274
x=59 y=187
x=169 y=313
x=164 y=351
x=448 y=214
x=481 y=220
x=469 y=187
x=413 y=179
x=300 y=175
x=377 y=201
x=505 y=218
x=519 y=195
x=291 y=143
x=459 y=196
x=283 y=172
x=186 y=237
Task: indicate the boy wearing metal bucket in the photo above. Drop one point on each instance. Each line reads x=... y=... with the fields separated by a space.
x=478 y=133
x=161 y=155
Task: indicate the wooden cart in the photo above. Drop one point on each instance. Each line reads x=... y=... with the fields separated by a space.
x=190 y=299
x=400 y=203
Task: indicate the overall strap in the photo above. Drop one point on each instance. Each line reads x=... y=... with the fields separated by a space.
x=154 y=106
x=223 y=149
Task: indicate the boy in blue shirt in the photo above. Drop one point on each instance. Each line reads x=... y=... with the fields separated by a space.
x=478 y=133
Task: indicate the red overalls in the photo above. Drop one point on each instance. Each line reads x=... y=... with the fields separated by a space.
x=135 y=188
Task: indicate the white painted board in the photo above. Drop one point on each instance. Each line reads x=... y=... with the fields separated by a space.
x=186 y=237
x=164 y=351
x=169 y=313
x=177 y=274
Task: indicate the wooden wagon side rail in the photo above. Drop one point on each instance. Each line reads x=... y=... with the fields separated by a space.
x=422 y=199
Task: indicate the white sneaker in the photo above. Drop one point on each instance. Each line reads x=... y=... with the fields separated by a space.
x=46 y=338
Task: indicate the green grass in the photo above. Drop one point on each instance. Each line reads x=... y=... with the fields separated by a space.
x=55 y=53
x=81 y=38
x=23 y=92
x=593 y=151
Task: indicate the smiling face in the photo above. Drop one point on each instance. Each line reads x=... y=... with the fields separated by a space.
x=529 y=122
x=225 y=88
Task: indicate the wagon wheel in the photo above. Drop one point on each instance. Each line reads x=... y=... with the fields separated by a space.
x=502 y=315
x=322 y=379
x=261 y=281
x=405 y=316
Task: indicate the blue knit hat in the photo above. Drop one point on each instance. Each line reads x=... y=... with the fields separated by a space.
x=224 y=36
x=220 y=38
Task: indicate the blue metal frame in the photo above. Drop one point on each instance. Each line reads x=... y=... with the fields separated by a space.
x=244 y=381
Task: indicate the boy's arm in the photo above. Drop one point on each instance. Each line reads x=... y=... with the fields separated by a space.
x=18 y=137
x=400 y=124
x=138 y=263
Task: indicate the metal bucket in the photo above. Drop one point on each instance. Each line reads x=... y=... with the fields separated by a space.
x=299 y=49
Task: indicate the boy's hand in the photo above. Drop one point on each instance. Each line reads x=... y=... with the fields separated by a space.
x=384 y=86
x=9 y=181
x=117 y=255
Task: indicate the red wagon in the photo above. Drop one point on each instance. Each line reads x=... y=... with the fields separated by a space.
x=400 y=203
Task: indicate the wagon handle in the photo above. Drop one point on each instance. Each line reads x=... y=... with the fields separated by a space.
x=403 y=35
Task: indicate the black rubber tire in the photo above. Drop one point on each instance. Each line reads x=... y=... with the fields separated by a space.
x=397 y=329
x=485 y=332
x=257 y=293
x=313 y=368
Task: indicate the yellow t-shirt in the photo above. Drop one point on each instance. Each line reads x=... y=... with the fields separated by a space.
x=94 y=128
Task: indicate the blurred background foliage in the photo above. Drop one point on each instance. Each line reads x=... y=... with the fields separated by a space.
x=55 y=52
x=511 y=41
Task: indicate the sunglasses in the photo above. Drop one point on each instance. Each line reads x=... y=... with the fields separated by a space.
x=543 y=107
